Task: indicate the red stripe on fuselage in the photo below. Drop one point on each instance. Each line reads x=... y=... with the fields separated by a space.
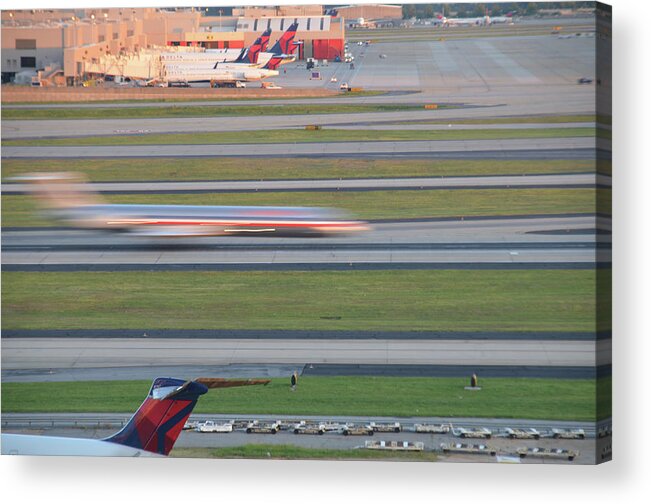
x=149 y=222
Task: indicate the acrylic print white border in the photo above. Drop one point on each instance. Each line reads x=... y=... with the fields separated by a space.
x=41 y=479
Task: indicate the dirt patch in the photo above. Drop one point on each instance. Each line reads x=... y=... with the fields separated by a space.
x=16 y=94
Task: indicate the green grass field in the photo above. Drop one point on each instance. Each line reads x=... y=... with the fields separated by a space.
x=290 y=452
x=20 y=210
x=450 y=300
x=175 y=169
x=198 y=111
x=549 y=399
x=305 y=136
x=217 y=98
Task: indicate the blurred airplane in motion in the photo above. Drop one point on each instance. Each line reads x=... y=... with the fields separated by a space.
x=67 y=197
x=152 y=431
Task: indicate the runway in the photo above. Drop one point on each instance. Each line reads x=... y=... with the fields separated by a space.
x=487 y=182
x=566 y=241
x=17 y=129
x=36 y=353
x=54 y=128
x=427 y=148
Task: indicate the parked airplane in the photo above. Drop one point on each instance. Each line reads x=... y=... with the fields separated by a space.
x=152 y=431
x=282 y=52
x=251 y=54
x=254 y=56
x=241 y=73
x=476 y=21
x=211 y=56
x=69 y=198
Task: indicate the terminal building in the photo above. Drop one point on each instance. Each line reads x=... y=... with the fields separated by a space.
x=62 y=47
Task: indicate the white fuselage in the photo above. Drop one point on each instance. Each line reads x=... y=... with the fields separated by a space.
x=22 y=444
x=194 y=74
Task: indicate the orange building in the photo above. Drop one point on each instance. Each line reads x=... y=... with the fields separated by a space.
x=76 y=40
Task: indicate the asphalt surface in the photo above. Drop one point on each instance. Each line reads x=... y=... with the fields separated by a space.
x=529 y=242
x=469 y=148
x=487 y=182
x=35 y=353
x=17 y=129
x=276 y=334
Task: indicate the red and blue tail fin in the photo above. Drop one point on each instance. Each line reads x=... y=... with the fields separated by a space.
x=158 y=422
x=265 y=40
x=285 y=45
x=251 y=54
x=156 y=425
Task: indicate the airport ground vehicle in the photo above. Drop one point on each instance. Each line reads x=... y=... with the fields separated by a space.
x=227 y=84
x=394 y=445
x=306 y=428
x=344 y=86
x=356 y=430
x=210 y=426
x=390 y=427
x=190 y=425
x=568 y=433
x=585 y=80
x=468 y=448
x=522 y=433
x=547 y=453
x=332 y=426
x=432 y=429
x=481 y=432
x=256 y=427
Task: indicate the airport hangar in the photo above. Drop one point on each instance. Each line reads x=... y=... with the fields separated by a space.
x=63 y=46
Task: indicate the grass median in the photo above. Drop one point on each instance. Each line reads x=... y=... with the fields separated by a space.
x=304 y=136
x=181 y=110
x=531 y=398
x=21 y=210
x=537 y=119
x=291 y=452
x=420 y=300
x=178 y=169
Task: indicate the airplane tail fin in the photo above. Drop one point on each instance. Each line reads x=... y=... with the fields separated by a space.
x=156 y=425
x=59 y=191
x=265 y=40
x=250 y=55
x=284 y=45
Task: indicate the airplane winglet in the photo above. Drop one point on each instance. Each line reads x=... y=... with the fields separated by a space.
x=225 y=383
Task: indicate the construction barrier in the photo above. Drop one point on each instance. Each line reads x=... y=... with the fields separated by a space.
x=431 y=106
x=312 y=127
